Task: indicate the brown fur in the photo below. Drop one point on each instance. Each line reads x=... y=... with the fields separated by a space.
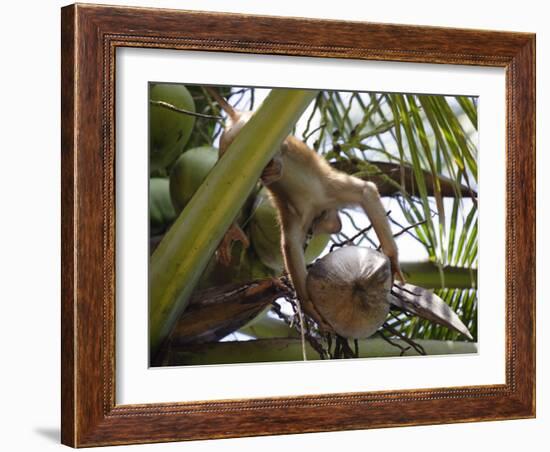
x=308 y=193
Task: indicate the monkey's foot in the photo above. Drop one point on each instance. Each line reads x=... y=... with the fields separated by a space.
x=233 y=234
x=272 y=172
x=396 y=270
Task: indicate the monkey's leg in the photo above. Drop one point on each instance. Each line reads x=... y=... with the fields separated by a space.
x=372 y=205
x=233 y=234
x=365 y=194
x=293 y=237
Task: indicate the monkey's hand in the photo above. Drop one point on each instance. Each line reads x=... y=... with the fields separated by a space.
x=233 y=234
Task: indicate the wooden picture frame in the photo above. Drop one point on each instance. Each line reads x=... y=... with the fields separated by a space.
x=90 y=36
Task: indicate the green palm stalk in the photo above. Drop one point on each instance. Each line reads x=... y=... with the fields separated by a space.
x=181 y=257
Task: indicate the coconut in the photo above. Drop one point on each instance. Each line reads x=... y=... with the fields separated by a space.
x=161 y=211
x=349 y=288
x=189 y=172
x=169 y=130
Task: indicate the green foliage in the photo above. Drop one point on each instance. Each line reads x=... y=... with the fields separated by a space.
x=206 y=130
x=289 y=349
x=434 y=135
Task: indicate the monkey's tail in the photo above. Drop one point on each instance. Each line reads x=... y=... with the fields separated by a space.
x=223 y=103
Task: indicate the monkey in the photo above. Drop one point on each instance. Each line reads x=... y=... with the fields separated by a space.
x=307 y=194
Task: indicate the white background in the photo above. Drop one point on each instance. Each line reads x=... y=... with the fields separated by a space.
x=30 y=268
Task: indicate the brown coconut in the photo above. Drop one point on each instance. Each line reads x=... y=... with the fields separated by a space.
x=350 y=288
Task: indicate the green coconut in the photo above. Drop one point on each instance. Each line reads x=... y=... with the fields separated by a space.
x=169 y=130
x=161 y=211
x=189 y=172
x=245 y=267
x=265 y=235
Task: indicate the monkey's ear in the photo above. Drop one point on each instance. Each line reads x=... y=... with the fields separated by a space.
x=273 y=171
x=328 y=223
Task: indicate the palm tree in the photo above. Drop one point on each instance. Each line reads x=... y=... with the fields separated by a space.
x=421 y=152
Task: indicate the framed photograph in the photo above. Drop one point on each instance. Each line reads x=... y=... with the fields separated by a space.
x=282 y=225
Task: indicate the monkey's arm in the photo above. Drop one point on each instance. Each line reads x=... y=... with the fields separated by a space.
x=293 y=238
x=372 y=205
